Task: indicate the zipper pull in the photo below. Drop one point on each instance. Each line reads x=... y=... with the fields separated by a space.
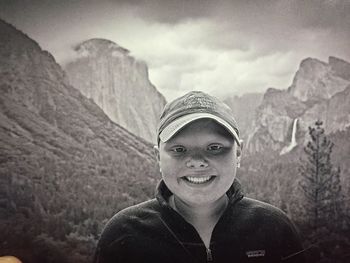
x=209 y=255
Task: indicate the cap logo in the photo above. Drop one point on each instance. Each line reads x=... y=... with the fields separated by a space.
x=201 y=102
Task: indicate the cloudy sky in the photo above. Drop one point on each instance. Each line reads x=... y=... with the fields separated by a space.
x=218 y=46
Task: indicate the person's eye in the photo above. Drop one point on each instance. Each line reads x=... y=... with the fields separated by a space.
x=215 y=148
x=178 y=149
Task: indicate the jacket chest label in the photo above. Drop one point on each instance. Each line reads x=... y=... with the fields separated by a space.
x=255 y=253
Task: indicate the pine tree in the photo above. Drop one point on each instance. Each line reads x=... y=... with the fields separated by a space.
x=320 y=183
x=324 y=201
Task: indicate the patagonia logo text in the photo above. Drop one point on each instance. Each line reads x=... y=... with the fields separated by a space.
x=255 y=253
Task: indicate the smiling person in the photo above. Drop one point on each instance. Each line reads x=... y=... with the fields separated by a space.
x=199 y=213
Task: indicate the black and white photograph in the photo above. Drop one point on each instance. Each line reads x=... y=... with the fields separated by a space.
x=174 y=131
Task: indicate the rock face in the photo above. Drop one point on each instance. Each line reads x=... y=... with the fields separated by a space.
x=316 y=80
x=119 y=84
x=65 y=167
x=243 y=108
x=319 y=91
x=335 y=112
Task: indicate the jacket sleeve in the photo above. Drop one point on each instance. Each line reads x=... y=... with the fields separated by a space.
x=293 y=248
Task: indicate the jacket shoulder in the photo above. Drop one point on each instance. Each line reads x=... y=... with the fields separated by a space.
x=260 y=215
x=274 y=226
x=261 y=209
x=122 y=224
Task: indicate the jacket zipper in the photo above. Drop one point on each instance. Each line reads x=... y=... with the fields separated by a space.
x=209 y=255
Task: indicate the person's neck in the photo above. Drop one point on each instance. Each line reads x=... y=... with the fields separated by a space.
x=196 y=214
x=202 y=217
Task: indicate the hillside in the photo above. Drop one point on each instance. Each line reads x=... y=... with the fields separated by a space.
x=65 y=167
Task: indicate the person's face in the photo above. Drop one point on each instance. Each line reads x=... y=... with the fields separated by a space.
x=199 y=163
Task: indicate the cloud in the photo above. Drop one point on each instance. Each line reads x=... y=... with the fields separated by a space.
x=185 y=57
x=223 y=46
x=214 y=56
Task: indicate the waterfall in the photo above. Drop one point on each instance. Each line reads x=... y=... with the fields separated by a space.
x=293 y=141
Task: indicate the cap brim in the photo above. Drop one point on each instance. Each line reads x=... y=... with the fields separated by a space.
x=175 y=126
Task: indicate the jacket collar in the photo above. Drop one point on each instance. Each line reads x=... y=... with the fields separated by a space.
x=163 y=193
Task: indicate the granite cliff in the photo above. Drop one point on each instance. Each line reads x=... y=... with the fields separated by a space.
x=316 y=80
x=65 y=167
x=119 y=84
x=320 y=91
x=243 y=108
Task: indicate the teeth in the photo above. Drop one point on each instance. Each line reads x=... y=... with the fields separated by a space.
x=197 y=180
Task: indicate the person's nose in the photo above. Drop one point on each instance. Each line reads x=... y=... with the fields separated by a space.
x=196 y=161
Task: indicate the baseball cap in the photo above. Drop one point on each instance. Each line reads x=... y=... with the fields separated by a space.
x=193 y=106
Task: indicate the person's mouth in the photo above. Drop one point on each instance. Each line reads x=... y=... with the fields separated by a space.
x=198 y=180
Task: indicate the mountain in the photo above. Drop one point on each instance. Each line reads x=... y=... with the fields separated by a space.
x=274 y=150
x=243 y=108
x=119 y=84
x=335 y=112
x=320 y=91
x=316 y=80
x=65 y=167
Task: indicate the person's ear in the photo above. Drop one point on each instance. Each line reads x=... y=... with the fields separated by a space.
x=239 y=149
x=156 y=152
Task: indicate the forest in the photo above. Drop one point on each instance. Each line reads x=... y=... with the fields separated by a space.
x=311 y=185
x=57 y=213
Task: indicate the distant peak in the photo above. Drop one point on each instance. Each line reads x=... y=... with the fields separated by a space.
x=13 y=37
x=332 y=60
x=100 y=46
x=273 y=93
x=340 y=67
x=311 y=61
x=311 y=67
x=272 y=90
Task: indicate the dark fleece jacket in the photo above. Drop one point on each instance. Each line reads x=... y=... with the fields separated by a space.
x=248 y=231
